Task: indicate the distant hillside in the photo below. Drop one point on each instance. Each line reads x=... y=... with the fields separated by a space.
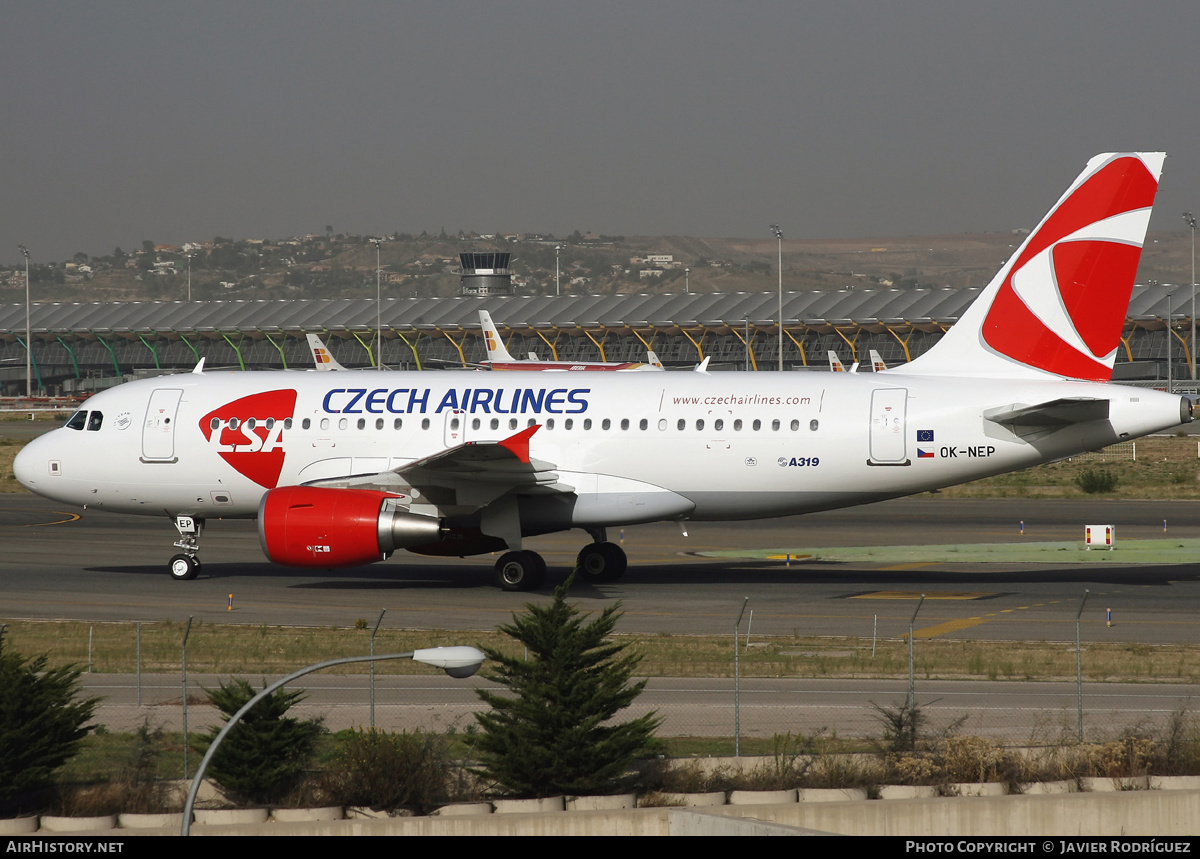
x=333 y=266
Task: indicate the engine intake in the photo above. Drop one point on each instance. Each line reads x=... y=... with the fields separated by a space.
x=312 y=526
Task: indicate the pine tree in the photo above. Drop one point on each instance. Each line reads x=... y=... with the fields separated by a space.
x=42 y=722
x=266 y=754
x=553 y=734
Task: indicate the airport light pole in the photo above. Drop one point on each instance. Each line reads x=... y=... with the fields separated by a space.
x=779 y=237
x=1190 y=219
x=28 y=330
x=459 y=661
x=189 y=256
x=557 y=250
x=687 y=279
x=378 y=310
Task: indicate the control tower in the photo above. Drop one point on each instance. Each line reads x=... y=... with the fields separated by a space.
x=486 y=273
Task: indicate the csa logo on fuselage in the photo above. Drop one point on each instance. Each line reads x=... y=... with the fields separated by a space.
x=248 y=434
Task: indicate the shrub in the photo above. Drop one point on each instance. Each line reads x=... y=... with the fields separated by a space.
x=265 y=756
x=387 y=770
x=554 y=733
x=42 y=721
x=1097 y=481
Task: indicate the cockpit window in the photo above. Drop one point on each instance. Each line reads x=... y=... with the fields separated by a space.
x=77 y=421
x=95 y=419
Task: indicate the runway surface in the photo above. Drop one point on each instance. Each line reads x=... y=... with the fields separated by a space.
x=58 y=562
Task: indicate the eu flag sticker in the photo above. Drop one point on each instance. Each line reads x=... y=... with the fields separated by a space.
x=924 y=435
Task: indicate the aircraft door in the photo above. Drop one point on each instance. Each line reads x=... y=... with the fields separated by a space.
x=158 y=431
x=455 y=428
x=889 y=436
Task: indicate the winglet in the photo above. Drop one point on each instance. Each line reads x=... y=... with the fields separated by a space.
x=199 y=368
x=702 y=367
x=519 y=443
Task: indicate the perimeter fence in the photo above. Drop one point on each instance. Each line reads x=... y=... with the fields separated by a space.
x=1011 y=693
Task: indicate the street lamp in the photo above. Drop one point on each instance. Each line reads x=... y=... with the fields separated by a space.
x=460 y=661
x=687 y=278
x=779 y=237
x=378 y=310
x=189 y=256
x=28 y=330
x=557 y=250
x=1190 y=219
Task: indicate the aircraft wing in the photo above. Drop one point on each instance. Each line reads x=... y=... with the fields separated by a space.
x=464 y=478
x=1052 y=413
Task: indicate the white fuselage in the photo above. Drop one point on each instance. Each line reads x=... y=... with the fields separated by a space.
x=733 y=445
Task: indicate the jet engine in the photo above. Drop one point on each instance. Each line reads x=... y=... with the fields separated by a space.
x=312 y=526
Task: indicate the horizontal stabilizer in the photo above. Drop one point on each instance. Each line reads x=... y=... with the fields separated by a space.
x=1060 y=412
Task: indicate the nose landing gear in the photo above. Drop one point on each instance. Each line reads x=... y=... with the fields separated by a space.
x=186 y=566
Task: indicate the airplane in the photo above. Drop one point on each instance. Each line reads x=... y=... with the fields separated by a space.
x=499 y=358
x=835 y=364
x=322 y=357
x=877 y=364
x=341 y=473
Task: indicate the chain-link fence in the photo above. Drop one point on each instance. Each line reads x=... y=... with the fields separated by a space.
x=136 y=670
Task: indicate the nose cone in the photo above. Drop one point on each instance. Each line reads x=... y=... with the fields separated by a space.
x=31 y=467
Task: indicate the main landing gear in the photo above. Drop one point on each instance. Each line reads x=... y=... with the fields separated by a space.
x=186 y=565
x=601 y=562
x=525 y=571
x=520 y=571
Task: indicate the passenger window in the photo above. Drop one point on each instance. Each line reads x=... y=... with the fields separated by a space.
x=718 y=425
x=812 y=425
x=270 y=423
x=362 y=423
x=795 y=425
x=397 y=423
x=475 y=423
x=682 y=425
x=550 y=423
x=454 y=423
x=79 y=420
x=662 y=424
x=251 y=424
x=605 y=424
x=378 y=423
x=737 y=425
x=512 y=423
x=587 y=423
x=287 y=423
x=215 y=423
x=425 y=423
x=343 y=423
x=757 y=425
x=643 y=424
x=624 y=423
x=775 y=425
x=95 y=419
x=495 y=423
x=699 y=425
x=324 y=423
x=569 y=423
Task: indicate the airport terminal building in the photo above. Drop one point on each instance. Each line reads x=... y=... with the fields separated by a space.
x=80 y=347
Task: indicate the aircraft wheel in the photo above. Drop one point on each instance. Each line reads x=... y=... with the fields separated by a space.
x=183 y=568
x=519 y=571
x=602 y=562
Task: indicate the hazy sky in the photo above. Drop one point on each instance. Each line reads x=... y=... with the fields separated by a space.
x=177 y=121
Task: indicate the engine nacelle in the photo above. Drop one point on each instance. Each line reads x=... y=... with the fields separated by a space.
x=312 y=526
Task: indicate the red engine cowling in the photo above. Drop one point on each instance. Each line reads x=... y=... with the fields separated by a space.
x=310 y=526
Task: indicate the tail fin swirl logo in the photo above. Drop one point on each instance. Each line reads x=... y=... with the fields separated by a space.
x=1062 y=305
x=248 y=433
